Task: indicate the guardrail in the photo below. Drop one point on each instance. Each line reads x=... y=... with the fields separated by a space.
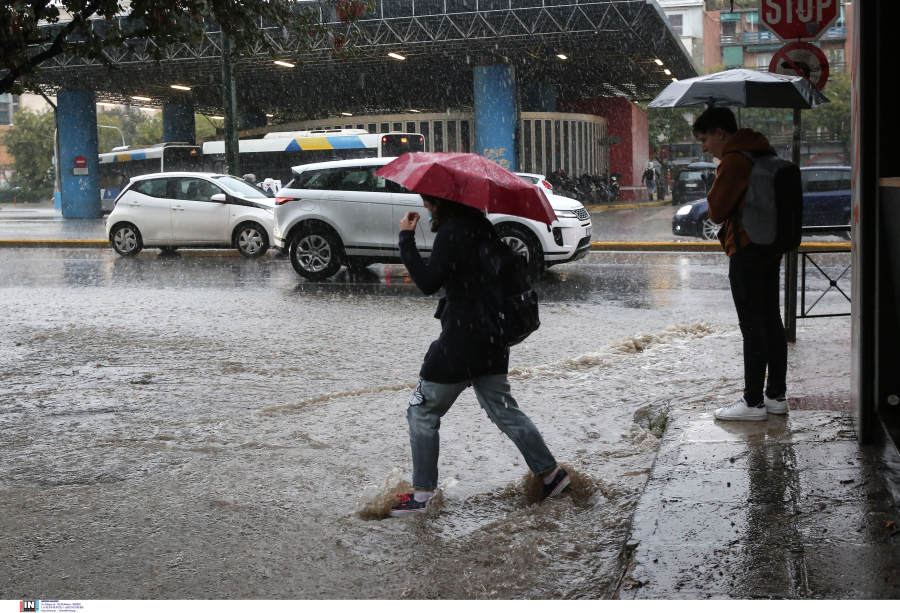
x=765 y=37
x=791 y=314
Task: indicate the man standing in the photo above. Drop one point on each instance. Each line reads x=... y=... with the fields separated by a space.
x=753 y=270
x=650 y=181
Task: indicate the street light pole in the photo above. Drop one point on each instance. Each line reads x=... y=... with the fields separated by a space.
x=115 y=128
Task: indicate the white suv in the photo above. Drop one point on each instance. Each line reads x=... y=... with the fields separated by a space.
x=335 y=213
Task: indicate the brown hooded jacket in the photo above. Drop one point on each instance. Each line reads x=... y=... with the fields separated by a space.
x=728 y=192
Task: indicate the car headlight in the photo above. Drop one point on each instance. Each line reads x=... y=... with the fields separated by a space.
x=684 y=210
x=565 y=214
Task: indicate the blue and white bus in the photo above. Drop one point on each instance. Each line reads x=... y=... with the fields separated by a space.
x=270 y=157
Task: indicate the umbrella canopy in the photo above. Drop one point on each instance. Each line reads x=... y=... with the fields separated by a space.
x=741 y=88
x=470 y=179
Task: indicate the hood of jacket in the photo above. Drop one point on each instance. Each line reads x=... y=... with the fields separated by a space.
x=746 y=139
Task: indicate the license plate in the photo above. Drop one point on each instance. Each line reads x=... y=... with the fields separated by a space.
x=690 y=185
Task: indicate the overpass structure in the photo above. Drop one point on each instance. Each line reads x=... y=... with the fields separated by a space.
x=499 y=57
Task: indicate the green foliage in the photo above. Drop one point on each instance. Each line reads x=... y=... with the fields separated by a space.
x=832 y=118
x=138 y=128
x=93 y=26
x=30 y=143
x=205 y=127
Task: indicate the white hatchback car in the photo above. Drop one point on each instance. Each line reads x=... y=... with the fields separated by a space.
x=191 y=209
x=335 y=213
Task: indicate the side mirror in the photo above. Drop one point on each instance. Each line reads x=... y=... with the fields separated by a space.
x=218 y=198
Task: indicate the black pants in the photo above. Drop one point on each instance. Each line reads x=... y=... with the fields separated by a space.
x=754 y=275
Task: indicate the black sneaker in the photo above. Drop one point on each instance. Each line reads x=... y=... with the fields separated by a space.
x=408 y=506
x=560 y=482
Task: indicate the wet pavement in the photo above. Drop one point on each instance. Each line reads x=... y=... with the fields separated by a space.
x=791 y=507
x=643 y=224
x=212 y=427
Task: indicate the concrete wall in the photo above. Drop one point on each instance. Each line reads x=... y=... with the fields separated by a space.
x=628 y=122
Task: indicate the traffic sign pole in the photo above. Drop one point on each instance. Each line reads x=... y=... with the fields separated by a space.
x=791 y=259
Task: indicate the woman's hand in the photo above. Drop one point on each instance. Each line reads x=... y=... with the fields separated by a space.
x=409 y=221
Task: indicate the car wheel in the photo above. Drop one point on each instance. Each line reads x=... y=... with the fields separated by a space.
x=316 y=252
x=707 y=229
x=126 y=240
x=524 y=243
x=251 y=240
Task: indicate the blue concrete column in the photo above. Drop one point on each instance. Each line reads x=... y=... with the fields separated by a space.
x=178 y=123
x=539 y=98
x=80 y=193
x=495 y=114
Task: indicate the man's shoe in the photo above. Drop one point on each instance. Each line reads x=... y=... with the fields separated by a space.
x=740 y=411
x=778 y=406
x=408 y=506
x=560 y=482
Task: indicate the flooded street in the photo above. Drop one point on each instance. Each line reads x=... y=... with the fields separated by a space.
x=212 y=427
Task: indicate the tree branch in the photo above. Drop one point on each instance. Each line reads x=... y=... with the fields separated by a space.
x=28 y=66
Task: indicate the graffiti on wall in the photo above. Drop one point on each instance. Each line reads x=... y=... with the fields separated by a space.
x=498 y=156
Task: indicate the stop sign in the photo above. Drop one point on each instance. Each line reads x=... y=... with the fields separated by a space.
x=804 y=20
x=80 y=161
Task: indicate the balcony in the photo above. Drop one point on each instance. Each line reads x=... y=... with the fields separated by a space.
x=765 y=37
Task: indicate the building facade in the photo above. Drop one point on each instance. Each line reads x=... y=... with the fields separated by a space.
x=687 y=18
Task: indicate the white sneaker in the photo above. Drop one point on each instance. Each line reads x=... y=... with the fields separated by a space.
x=778 y=406
x=740 y=411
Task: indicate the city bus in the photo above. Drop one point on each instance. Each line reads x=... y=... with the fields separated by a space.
x=270 y=157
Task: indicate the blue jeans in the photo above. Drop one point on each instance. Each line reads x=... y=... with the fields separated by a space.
x=431 y=401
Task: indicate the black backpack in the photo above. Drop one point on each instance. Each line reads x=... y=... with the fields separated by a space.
x=773 y=209
x=510 y=304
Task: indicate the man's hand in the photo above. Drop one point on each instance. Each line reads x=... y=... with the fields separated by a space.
x=409 y=221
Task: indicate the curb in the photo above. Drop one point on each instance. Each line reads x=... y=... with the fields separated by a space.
x=707 y=247
x=78 y=243
x=622 y=207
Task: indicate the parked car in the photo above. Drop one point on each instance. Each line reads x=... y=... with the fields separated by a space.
x=339 y=213
x=191 y=209
x=693 y=182
x=539 y=180
x=826 y=202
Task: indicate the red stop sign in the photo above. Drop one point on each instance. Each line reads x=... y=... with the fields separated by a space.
x=80 y=161
x=792 y=20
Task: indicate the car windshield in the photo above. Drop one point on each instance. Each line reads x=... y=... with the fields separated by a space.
x=690 y=175
x=241 y=187
x=532 y=179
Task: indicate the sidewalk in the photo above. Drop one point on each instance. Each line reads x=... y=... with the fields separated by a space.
x=791 y=507
x=26 y=223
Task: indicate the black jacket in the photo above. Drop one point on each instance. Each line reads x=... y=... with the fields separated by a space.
x=464 y=349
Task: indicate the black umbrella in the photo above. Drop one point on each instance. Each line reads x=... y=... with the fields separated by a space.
x=741 y=88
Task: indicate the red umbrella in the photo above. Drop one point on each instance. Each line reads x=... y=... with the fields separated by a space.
x=472 y=180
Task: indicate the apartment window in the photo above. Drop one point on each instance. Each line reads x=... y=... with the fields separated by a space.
x=677 y=22
x=763 y=60
x=372 y=128
x=538 y=147
x=398 y=126
x=733 y=56
x=729 y=28
x=410 y=126
x=385 y=127
x=835 y=56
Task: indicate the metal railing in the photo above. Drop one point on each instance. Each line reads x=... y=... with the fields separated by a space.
x=832 y=282
x=765 y=37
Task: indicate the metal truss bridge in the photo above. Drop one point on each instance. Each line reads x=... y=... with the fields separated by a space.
x=611 y=46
